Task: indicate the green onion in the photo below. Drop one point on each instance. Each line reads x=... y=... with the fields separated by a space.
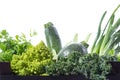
x=106 y=41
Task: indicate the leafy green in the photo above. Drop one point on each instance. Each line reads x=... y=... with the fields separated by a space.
x=12 y=45
x=96 y=67
x=6 y=56
x=92 y=66
x=33 y=61
x=64 y=66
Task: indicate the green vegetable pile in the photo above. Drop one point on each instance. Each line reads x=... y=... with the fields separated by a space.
x=94 y=65
x=72 y=59
x=33 y=61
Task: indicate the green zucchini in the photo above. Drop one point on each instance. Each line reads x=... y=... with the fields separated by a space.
x=70 y=48
x=52 y=37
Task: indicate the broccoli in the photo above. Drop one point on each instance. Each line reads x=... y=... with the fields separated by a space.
x=33 y=61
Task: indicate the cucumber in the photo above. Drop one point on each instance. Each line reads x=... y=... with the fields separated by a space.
x=52 y=37
x=70 y=48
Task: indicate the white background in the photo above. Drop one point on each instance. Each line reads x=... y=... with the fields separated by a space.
x=68 y=16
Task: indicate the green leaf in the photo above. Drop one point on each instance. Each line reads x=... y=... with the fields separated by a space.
x=0 y=36
x=33 y=33
x=4 y=32
x=98 y=33
x=75 y=39
x=87 y=38
x=2 y=46
x=117 y=50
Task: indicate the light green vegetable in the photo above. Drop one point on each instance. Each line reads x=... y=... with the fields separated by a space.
x=33 y=61
x=52 y=37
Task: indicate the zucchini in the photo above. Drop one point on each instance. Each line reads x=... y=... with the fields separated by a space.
x=52 y=37
x=70 y=48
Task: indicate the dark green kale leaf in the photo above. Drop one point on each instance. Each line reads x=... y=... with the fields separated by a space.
x=93 y=66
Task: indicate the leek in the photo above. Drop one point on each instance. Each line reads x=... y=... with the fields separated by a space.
x=107 y=40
